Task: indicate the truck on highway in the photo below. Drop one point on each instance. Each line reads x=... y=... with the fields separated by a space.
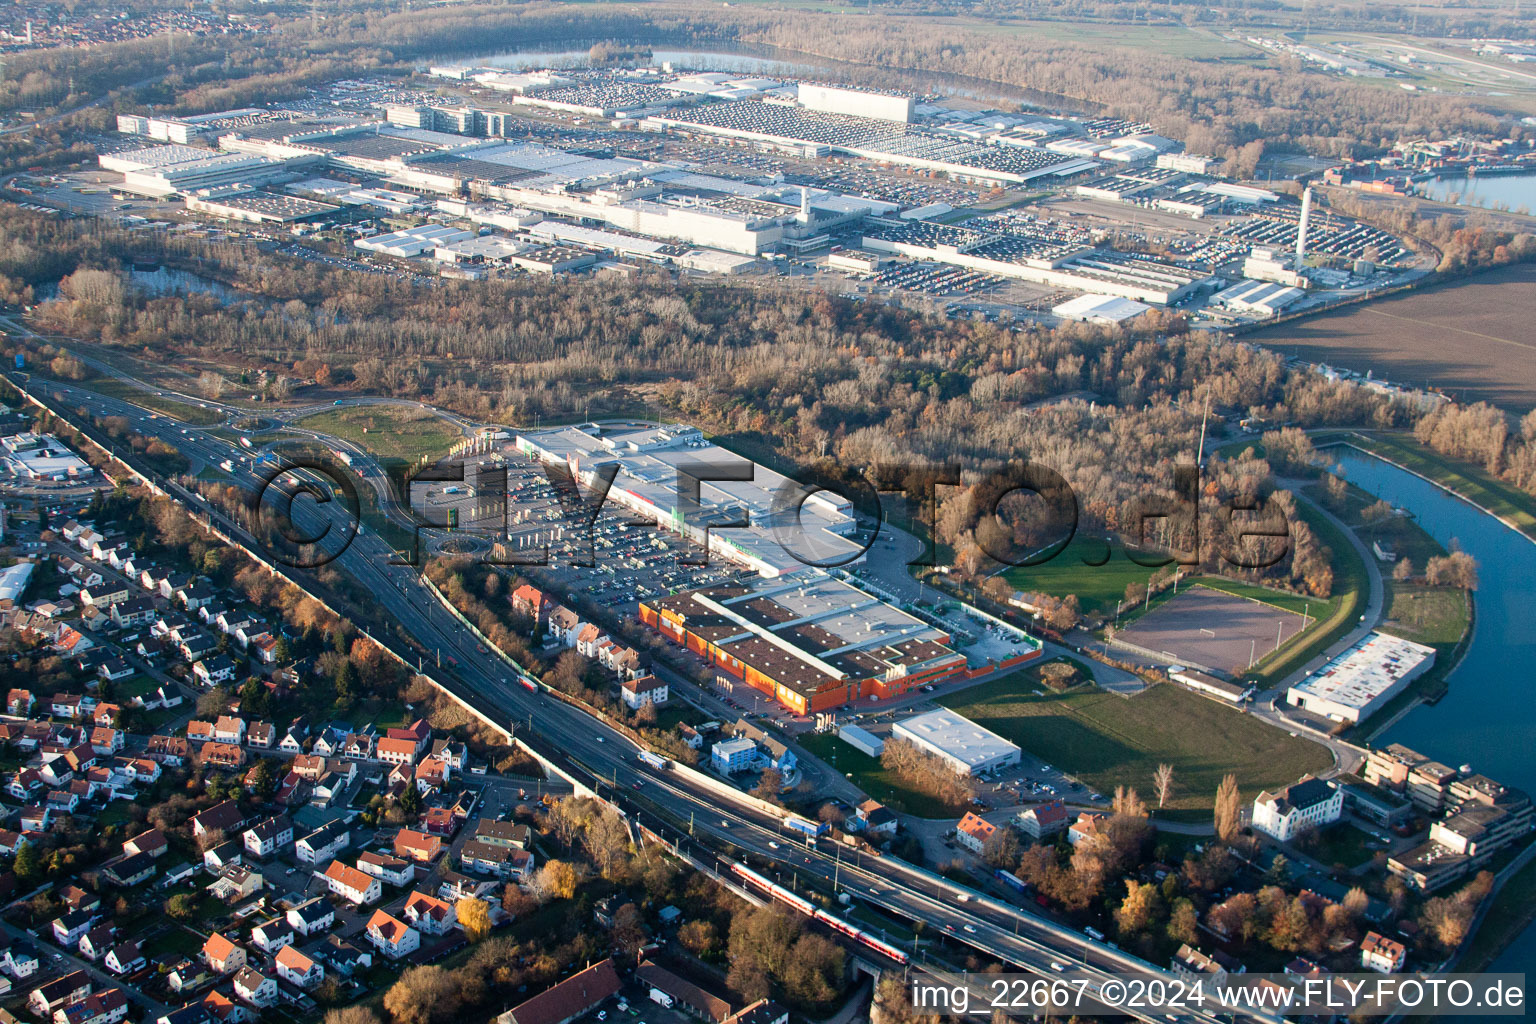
x=807 y=828
x=654 y=760
x=345 y=457
x=246 y=441
x=227 y=466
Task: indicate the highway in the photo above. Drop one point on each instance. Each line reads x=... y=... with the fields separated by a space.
x=721 y=821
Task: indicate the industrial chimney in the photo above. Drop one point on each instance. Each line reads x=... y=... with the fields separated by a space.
x=1301 y=228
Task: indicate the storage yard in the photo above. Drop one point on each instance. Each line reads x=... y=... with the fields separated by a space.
x=476 y=171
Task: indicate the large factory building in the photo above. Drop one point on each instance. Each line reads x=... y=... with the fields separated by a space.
x=809 y=641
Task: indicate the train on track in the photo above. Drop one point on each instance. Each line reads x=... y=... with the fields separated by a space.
x=810 y=910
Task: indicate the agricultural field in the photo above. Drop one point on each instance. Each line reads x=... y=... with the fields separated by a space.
x=1470 y=338
x=1107 y=740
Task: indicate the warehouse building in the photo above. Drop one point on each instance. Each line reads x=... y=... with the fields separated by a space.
x=413 y=241
x=962 y=744
x=1263 y=298
x=856 y=102
x=259 y=207
x=1099 y=309
x=808 y=640
x=1352 y=686
x=649 y=460
x=161 y=171
x=862 y=740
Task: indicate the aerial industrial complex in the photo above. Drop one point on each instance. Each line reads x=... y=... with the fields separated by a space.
x=478 y=171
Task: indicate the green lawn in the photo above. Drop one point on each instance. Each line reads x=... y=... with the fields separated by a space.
x=1428 y=615
x=1339 y=844
x=1099 y=587
x=390 y=432
x=870 y=776
x=1107 y=740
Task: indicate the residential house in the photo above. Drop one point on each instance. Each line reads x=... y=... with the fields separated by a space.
x=229 y=729
x=129 y=870
x=312 y=916
x=874 y=819
x=175 y=751
x=534 y=603
x=1087 y=826
x=1044 y=820
x=500 y=861
x=298 y=969
x=221 y=817
x=97 y=942
x=346 y=958
x=236 y=882
x=1302 y=807
x=65 y=991
x=125 y=958
x=261 y=735
x=452 y=753
x=70 y=928
x=323 y=844
x=223 y=755
x=20 y=703
x=574 y=997
x=973 y=832
x=105 y=1007
x=255 y=988
x=271 y=936
x=269 y=837
x=225 y=854
x=392 y=936
x=428 y=914
x=214 y=670
x=352 y=885
x=222 y=955
x=417 y=846
x=151 y=842
x=1379 y=953
x=644 y=690
x=393 y=870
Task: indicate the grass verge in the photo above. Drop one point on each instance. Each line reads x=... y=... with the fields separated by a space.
x=1471 y=482
x=186 y=413
x=872 y=777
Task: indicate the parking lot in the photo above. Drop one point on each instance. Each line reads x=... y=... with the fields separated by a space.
x=633 y=558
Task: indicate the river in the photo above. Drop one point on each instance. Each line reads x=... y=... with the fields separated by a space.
x=1514 y=192
x=1487 y=718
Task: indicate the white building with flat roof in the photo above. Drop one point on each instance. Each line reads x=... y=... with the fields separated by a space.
x=965 y=746
x=781 y=534
x=1352 y=686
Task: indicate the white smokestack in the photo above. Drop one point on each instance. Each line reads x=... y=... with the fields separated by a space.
x=1301 y=228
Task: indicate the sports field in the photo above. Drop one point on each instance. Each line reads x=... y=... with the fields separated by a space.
x=1219 y=631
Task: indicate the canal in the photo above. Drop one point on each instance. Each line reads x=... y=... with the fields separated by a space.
x=1488 y=718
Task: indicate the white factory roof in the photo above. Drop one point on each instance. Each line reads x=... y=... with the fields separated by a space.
x=13 y=580
x=413 y=241
x=958 y=737
x=1364 y=672
x=648 y=460
x=1262 y=296
x=1100 y=309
